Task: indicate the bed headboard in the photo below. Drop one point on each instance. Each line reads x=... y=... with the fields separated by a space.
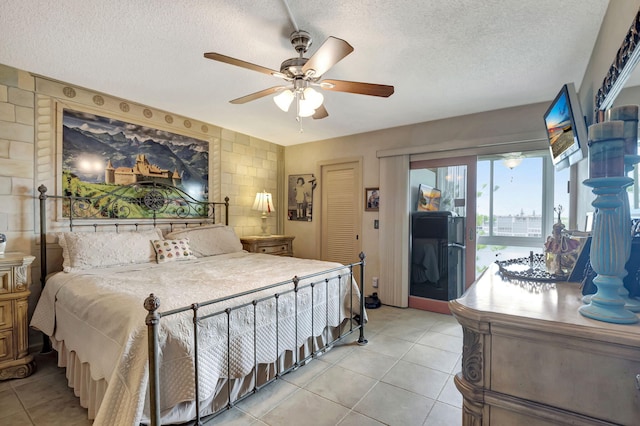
x=136 y=204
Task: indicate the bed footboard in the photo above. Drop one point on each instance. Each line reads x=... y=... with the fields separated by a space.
x=353 y=319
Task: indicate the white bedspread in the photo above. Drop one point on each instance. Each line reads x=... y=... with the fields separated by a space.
x=99 y=314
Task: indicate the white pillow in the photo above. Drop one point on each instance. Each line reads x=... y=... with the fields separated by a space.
x=171 y=250
x=88 y=250
x=209 y=240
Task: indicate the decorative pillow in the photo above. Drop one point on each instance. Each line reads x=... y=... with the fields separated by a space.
x=172 y=250
x=209 y=240
x=88 y=250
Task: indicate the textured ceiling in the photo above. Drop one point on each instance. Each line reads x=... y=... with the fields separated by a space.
x=445 y=58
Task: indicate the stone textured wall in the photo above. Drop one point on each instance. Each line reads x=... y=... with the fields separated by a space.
x=17 y=158
x=249 y=165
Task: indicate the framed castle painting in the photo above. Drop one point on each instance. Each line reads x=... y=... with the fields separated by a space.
x=100 y=153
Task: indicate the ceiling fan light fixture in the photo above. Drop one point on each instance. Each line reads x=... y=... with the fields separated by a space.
x=512 y=160
x=300 y=73
x=304 y=109
x=284 y=99
x=312 y=97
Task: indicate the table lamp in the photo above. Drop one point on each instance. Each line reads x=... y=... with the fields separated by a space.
x=264 y=203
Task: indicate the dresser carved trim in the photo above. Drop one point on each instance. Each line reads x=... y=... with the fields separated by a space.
x=472 y=356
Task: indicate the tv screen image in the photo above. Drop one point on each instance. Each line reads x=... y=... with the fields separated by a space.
x=559 y=127
x=566 y=129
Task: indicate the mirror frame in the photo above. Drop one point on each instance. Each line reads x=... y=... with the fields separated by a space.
x=625 y=61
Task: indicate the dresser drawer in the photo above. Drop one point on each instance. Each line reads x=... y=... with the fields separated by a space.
x=5 y=280
x=590 y=378
x=279 y=245
x=6 y=315
x=6 y=345
x=278 y=249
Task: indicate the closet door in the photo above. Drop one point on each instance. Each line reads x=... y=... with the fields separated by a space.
x=341 y=212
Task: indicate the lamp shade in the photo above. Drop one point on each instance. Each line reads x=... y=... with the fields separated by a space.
x=263 y=202
x=304 y=109
x=307 y=101
x=284 y=99
x=313 y=97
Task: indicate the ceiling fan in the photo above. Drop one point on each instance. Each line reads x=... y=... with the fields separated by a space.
x=303 y=74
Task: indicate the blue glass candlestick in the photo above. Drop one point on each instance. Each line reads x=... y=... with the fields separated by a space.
x=608 y=253
x=628 y=115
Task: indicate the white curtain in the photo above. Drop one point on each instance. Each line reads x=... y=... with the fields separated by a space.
x=394 y=230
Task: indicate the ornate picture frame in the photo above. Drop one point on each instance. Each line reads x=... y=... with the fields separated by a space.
x=627 y=57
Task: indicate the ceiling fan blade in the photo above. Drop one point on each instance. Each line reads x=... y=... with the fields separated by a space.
x=329 y=54
x=239 y=63
x=321 y=112
x=357 y=87
x=257 y=95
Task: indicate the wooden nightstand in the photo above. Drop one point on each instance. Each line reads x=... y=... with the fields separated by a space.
x=15 y=361
x=280 y=245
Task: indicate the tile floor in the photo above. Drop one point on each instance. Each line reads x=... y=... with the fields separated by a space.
x=403 y=376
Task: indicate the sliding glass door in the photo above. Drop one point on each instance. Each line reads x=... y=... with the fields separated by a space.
x=442 y=238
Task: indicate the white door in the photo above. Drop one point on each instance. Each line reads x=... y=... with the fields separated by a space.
x=341 y=212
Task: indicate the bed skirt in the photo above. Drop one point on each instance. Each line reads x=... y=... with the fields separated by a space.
x=91 y=391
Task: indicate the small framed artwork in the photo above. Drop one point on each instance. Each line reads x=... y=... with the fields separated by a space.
x=428 y=198
x=371 y=199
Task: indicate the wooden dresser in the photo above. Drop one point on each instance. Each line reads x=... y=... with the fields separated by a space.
x=15 y=361
x=529 y=358
x=280 y=245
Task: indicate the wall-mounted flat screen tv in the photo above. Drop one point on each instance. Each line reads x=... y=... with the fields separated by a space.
x=566 y=128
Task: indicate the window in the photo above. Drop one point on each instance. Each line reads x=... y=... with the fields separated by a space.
x=515 y=206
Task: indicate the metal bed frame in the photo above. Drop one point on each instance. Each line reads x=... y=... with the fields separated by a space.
x=170 y=206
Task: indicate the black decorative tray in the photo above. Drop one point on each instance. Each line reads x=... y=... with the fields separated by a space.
x=530 y=268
